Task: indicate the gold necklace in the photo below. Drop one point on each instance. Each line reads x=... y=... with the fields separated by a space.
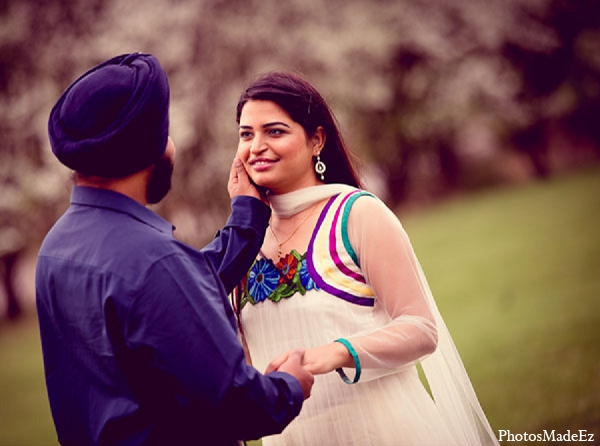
x=280 y=244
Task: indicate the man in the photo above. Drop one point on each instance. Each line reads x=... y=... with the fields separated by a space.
x=139 y=341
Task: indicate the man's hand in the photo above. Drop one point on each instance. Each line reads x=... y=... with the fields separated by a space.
x=291 y=363
x=239 y=182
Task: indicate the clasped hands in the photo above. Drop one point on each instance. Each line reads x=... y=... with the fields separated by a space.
x=303 y=364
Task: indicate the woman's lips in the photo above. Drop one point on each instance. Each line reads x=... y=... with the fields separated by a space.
x=261 y=164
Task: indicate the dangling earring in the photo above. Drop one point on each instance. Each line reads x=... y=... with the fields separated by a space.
x=320 y=167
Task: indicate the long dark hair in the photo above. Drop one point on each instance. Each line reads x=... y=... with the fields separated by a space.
x=307 y=107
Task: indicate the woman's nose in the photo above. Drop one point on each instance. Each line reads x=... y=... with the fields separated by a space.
x=259 y=145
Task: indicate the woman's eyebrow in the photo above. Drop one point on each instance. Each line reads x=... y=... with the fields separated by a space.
x=267 y=125
x=271 y=124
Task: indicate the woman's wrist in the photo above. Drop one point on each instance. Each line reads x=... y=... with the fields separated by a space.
x=341 y=356
x=355 y=359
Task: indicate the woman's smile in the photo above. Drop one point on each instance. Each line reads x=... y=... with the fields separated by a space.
x=261 y=164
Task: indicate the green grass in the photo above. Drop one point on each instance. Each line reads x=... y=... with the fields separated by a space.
x=516 y=274
x=25 y=418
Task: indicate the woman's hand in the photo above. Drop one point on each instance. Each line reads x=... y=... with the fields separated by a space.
x=327 y=358
x=319 y=360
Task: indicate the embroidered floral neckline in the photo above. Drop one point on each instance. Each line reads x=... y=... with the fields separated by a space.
x=267 y=280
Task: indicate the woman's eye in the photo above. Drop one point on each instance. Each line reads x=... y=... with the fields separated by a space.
x=245 y=135
x=275 y=132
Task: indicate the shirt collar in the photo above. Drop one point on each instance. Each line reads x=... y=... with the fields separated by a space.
x=96 y=197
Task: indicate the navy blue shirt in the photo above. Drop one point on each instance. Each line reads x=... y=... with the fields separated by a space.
x=138 y=337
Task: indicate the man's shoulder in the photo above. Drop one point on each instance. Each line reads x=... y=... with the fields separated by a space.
x=111 y=242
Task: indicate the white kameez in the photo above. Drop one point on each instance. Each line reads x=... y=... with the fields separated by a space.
x=370 y=290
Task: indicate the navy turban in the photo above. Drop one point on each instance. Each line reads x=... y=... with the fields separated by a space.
x=114 y=119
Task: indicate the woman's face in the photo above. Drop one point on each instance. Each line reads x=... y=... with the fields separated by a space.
x=275 y=149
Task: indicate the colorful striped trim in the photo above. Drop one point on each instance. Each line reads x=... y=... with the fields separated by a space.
x=345 y=215
x=330 y=247
x=333 y=243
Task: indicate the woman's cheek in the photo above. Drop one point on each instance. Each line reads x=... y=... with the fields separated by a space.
x=242 y=152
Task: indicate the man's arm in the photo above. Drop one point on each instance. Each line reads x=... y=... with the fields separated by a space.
x=192 y=353
x=236 y=245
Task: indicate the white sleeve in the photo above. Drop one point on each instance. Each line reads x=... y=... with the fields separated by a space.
x=413 y=330
x=387 y=261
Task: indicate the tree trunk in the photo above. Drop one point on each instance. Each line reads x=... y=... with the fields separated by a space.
x=13 y=306
x=532 y=141
x=449 y=166
x=398 y=175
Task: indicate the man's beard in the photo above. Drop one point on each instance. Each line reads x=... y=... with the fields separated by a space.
x=159 y=180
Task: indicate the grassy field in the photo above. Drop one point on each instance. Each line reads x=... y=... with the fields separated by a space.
x=516 y=274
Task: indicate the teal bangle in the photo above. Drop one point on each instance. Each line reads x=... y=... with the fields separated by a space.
x=356 y=363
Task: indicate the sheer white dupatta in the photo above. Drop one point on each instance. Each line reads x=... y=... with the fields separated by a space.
x=451 y=387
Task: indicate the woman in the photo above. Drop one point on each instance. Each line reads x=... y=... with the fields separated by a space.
x=337 y=274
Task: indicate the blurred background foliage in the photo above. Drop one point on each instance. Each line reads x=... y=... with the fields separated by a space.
x=436 y=97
